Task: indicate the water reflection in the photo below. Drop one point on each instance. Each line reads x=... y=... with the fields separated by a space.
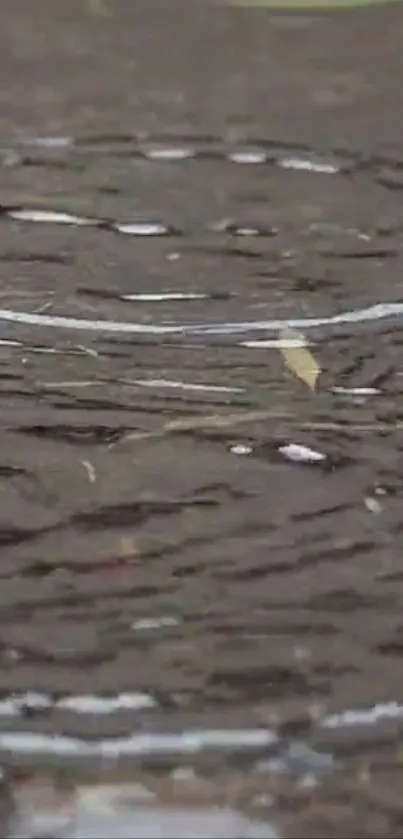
x=379 y=311
x=98 y=812
x=205 y=587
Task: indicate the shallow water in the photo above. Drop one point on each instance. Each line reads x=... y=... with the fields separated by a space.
x=126 y=810
x=200 y=601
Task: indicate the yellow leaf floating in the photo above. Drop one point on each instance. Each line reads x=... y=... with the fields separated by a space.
x=298 y=358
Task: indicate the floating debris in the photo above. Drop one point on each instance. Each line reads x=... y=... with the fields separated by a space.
x=299 y=359
x=92 y=477
x=302 y=454
x=241 y=449
x=373 y=505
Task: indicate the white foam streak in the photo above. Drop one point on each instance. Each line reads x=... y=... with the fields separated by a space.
x=364 y=716
x=51 y=217
x=158 y=297
x=48 y=142
x=379 y=311
x=302 y=165
x=142 y=228
x=15 y=704
x=167 y=383
x=277 y=343
x=173 y=153
x=188 y=742
x=247 y=156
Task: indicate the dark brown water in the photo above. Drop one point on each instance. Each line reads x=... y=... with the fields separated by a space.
x=200 y=636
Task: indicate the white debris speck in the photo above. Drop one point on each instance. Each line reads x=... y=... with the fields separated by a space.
x=373 y=505
x=241 y=449
x=301 y=454
x=248 y=156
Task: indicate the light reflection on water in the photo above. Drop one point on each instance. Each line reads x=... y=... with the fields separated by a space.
x=97 y=813
x=99 y=810
x=378 y=311
x=129 y=810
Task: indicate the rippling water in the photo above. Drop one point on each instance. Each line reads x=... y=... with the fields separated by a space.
x=200 y=626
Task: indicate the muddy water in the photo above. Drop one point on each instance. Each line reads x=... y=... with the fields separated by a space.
x=200 y=625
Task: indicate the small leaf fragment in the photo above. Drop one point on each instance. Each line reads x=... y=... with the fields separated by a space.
x=298 y=358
